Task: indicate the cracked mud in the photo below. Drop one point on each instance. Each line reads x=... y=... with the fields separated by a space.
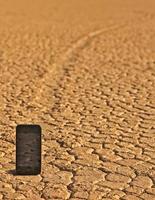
x=84 y=71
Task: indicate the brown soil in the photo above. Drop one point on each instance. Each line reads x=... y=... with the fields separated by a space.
x=85 y=71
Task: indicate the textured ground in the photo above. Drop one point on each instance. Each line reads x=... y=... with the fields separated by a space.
x=84 y=71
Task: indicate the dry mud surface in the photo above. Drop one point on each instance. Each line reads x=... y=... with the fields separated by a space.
x=85 y=71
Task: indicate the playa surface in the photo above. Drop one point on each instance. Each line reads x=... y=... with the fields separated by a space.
x=84 y=71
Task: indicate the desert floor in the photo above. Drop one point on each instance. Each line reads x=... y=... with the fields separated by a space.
x=85 y=71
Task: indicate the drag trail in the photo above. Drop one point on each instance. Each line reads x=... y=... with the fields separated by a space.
x=91 y=90
x=66 y=56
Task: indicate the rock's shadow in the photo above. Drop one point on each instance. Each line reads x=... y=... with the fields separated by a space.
x=14 y=173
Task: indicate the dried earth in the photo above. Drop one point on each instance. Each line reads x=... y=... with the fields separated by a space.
x=84 y=71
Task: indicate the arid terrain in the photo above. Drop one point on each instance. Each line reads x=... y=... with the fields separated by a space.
x=85 y=71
